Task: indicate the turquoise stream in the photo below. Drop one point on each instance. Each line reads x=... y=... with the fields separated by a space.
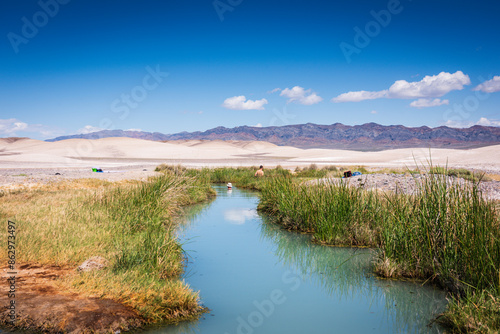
x=257 y=278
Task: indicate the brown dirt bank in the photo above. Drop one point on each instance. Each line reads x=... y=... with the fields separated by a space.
x=41 y=305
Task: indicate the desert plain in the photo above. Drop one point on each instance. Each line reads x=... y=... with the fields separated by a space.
x=127 y=156
x=31 y=163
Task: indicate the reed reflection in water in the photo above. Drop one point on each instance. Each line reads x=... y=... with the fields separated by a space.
x=346 y=273
x=238 y=258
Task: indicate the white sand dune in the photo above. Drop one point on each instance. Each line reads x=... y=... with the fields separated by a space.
x=129 y=151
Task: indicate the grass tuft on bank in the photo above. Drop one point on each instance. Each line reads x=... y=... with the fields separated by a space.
x=131 y=224
x=459 y=172
x=476 y=312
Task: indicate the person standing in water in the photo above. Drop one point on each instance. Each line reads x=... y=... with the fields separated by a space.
x=260 y=172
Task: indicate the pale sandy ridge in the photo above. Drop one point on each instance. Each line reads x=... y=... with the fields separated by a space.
x=116 y=152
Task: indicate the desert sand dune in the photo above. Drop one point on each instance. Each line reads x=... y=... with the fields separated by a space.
x=255 y=145
x=129 y=151
x=186 y=142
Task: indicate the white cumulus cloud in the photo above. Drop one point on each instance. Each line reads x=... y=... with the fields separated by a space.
x=359 y=96
x=458 y=124
x=425 y=103
x=301 y=95
x=88 y=129
x=467 y=124
x=489 y=86
x=240 y=103
x=488 y=122
x=12 y=126
x=239 y=216
x=429 y=86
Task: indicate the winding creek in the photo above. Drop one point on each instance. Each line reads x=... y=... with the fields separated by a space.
x=258 y=278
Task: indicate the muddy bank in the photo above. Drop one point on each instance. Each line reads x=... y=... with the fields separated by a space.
x=41 y=305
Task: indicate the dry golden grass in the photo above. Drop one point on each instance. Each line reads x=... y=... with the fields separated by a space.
x=494 y=177
x=129 y=223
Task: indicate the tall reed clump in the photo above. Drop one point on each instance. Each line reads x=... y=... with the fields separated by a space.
x=450 y=233
x=144 y=225
x=336 y=212
x=447 y=231
x=131 y=225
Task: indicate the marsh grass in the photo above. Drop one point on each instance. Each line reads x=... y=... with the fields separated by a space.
x=446 y=232
x=450 y=234
x=175 y=169
x=155 y=300
x=131 y=224
x=460 y=173
x=334 y=211
x=477 y=312
x=314 y=171
x=244 y=177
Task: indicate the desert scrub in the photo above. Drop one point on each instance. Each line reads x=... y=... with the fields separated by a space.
x=131 y=224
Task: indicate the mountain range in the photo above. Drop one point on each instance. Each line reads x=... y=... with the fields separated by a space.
x=365 y=137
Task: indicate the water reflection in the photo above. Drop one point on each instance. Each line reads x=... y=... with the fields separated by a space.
x=238 y=259
x=345 y=273
x=191 y=213
x=239 y=216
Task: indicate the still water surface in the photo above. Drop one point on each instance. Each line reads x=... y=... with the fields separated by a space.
x=258 y=278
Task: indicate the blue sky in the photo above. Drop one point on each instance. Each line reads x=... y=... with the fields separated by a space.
x=72 y=66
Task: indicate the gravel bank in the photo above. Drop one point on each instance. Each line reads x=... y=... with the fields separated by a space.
x=31 y=177
x=406 y=183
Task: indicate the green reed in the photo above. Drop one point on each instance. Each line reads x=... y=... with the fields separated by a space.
x=446 y=230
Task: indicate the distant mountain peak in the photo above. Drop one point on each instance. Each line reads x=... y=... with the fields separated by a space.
x=368 y=136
